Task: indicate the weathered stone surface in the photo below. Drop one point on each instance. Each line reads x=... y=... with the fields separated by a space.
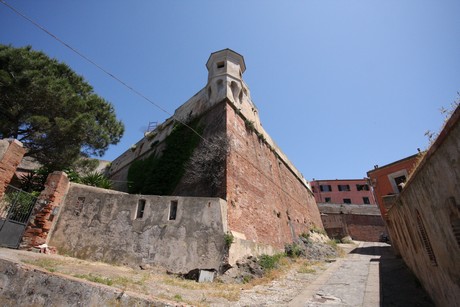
x=104 y=225
x=21 y=285
x=424 y=221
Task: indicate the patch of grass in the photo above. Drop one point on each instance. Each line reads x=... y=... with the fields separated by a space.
x=318 y=230
x=268 y=262
x=229 y=239
x=306 y=269
x=333 y=243
x=229 y=295
x=95 y=278
x=247 y=278
x=47 y=264
x=293 y=250
x=177 y=297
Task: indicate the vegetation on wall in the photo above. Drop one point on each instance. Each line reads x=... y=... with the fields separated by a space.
x=207 y=164
x=160 y=175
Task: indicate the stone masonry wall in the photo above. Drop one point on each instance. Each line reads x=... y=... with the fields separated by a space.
x=11 y=153
x=424 y=221
x=106 y=225
x=267 y=202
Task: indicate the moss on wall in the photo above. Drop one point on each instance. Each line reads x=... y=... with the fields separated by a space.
x=159 y=175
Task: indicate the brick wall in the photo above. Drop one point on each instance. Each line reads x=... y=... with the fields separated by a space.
x=46 y=211
x=267 y=202
x=11 y=153
x=358 y=227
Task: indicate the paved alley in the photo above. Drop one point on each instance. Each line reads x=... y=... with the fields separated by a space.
x=370 y=275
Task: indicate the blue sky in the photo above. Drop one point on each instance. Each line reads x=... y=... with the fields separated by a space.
x=340 y=85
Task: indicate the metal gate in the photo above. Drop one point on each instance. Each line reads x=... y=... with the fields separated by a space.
x=15 y=210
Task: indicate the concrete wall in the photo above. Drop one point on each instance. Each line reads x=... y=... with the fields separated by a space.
x=103 y=225
x=424 y=222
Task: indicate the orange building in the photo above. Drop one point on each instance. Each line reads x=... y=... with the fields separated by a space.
x=390 y=179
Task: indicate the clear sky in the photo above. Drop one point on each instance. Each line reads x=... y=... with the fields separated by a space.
x=340 y=85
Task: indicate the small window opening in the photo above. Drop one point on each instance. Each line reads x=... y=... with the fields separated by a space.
x=328 y=199
x=347 y=201
x=221 y=65
x=400 y=182
x=325 y=188
x=172 y=210
x=344 y=187
x=362 y=187
x=140 y=209
x=426 y=240
x=366 y=200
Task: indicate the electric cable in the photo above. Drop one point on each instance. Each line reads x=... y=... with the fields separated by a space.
x=40 y=27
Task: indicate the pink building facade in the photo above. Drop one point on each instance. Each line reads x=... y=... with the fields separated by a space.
x=343 y=191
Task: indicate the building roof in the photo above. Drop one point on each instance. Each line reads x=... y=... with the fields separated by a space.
x=228 y=53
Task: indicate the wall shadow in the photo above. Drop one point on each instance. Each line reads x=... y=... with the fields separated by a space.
x=398 y=285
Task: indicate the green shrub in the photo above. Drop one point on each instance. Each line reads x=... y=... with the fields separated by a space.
x=160 y=175
x=293 y=250
x=269 y=262
x=229 y=239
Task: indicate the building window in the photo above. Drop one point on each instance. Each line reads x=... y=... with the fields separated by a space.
x=327 y=199
x=397 y=180
x=366 y=200
x=221 y=65
x=172 y=210
x=325 y=188
x=362 y=187
x=425 y=240
x=344 y=187
x=400 y=182
x=347 y=201
x=140 y=209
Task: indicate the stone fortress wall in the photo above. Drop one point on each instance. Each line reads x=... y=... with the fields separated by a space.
x=269 y=201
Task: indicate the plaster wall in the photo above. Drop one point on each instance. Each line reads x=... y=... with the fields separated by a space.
x=104 y=225
x=424 y=221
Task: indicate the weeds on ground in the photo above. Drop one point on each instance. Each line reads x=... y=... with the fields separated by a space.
x=306 y=268
x=47 y=264
x=95 y=278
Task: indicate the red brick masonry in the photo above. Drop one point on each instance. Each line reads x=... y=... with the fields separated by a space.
x=46 y=210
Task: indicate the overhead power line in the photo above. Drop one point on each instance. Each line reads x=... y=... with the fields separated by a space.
x=40 y=27
x=96 y=65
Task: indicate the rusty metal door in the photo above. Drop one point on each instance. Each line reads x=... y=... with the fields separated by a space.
x=15 y=211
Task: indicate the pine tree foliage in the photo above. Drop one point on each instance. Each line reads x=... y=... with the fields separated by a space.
x=53 y=111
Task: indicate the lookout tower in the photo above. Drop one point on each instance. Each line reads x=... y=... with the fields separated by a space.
x=225 y=62
x=225 y=77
